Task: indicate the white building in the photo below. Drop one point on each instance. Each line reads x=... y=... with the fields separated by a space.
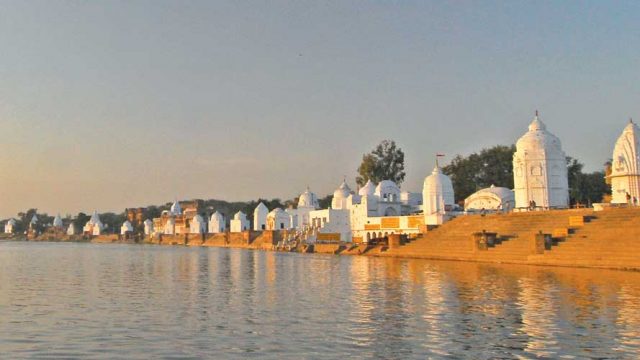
x=260 y=217
x=71 y=229
x=148 y=227
x=170 y=226
x=57 y=222
x=176 y=209
x=9 y=227
x=278 y=219
x=340 y=196
x=540 y=169
x=94 y=226
x=625 y=168
x=492 y=199
x=126 y=228
x=198 y=225
x=34 y=221
x=239 y=223
x=307 y=202
x=216 y=223
x=437 y=197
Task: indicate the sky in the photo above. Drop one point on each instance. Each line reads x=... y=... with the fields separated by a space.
x=113 y=104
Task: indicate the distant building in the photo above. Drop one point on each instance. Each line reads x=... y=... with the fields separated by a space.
x=216 y=223
x=57 y=222
x=239 y=223
x=148 y=227
x=94 y=226
x=260 y=217
x=71 y=229
x=126 y=228
x=10 y=226
x=197 y=225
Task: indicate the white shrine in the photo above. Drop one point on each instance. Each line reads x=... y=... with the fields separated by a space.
x=437 y=197
x=625 y=167
x=126 y=228
x=260 y=217
x=71 y=229
x=239 y=223
x=198 y=225
x=216 y=223
x=148 y=227
x=9 y=227
x=57 y=222
x=540 y=169
x=94 y=226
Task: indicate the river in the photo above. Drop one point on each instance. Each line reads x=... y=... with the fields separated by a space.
x=83 y=301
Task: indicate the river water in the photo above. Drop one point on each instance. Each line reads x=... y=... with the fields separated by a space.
x=64 y=300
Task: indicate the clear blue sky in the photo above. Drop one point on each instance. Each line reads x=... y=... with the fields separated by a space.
x=110 y=104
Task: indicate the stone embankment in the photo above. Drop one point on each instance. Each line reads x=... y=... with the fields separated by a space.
x=577 y=238
x=582 y=238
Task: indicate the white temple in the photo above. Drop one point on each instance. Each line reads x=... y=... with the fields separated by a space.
x=176 y=209
x=278 y=219
x=126 y=228
x=540 y=169
x=170 y=226
x=437 y=197
x=71 y=229
x=9 y=227
x=260 y=217
x=57 y=222
x=239 y=223
x=216 y=223
x=492 y=199
x=34 y=220
x=148 y=227
x=94 y=226
x=198 y=225
x=625 y=168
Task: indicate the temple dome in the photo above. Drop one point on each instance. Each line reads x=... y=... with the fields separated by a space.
x=216 y=216
x=57 y=221
x=368 y=189
x=308 y=199
x=539 y=139
x=343 y=191
x=439 y=183
x=176 y=209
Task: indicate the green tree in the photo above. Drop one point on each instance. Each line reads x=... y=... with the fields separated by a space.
x=585 y=188
x=385 y=162
x=492 y=166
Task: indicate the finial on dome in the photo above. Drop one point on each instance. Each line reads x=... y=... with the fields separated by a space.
x=630 y=120
x=536 y=112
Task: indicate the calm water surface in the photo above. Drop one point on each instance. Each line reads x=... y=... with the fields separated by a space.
x=125 y=301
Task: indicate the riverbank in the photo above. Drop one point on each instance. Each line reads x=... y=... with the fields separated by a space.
x=574 y=238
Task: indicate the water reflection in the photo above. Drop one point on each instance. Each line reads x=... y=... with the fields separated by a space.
x=97 y=301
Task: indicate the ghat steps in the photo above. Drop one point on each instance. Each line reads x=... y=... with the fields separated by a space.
x=609 y=238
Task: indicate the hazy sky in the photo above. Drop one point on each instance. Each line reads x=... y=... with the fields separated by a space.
x=106 y=105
